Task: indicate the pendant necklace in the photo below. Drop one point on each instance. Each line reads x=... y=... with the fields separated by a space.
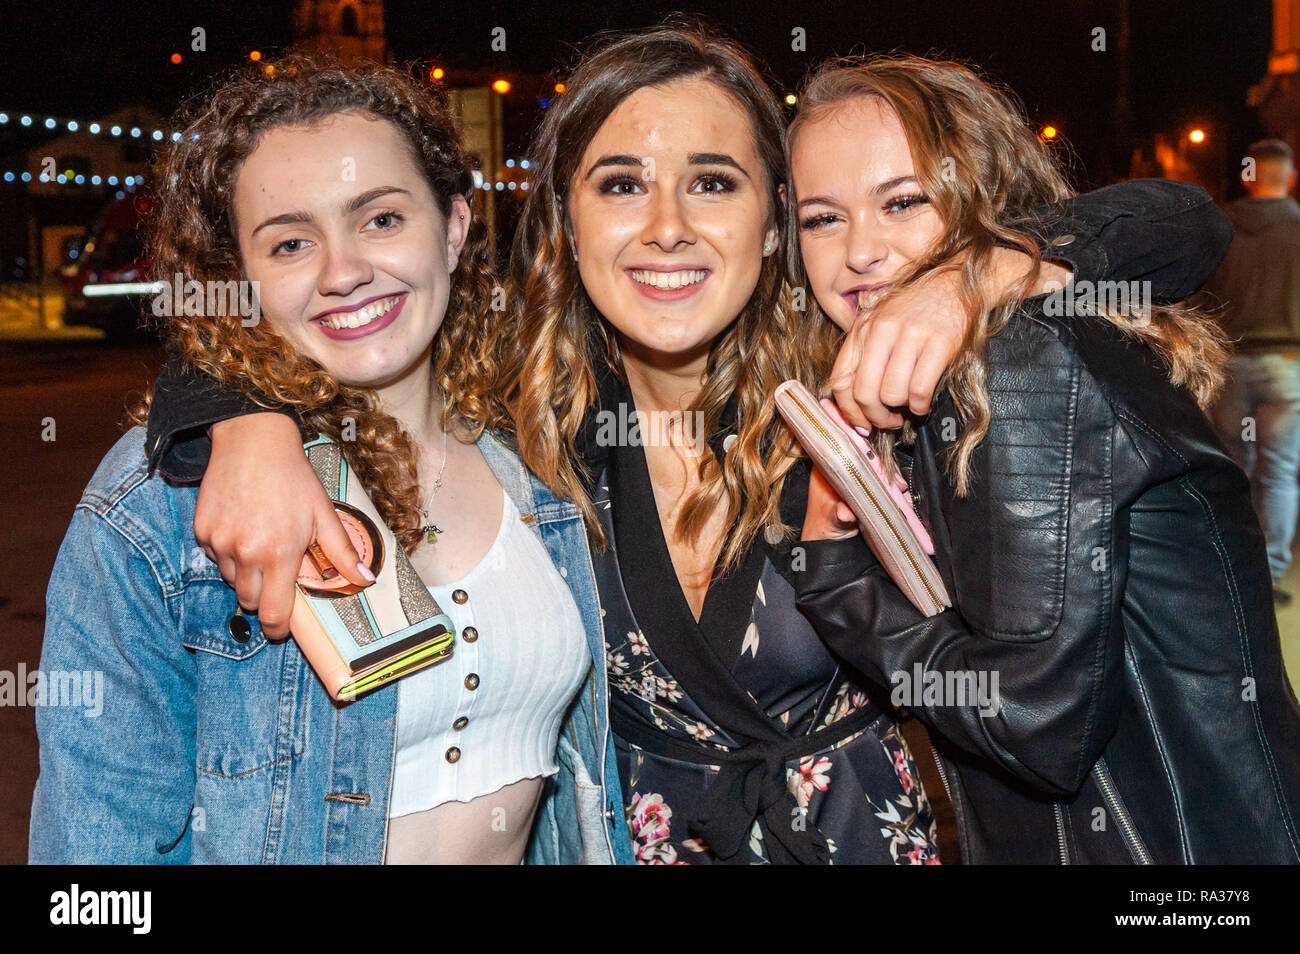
x=430 y=529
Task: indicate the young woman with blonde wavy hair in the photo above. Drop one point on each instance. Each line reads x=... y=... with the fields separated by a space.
x=1107 y=572
x=342 y=194
x=650 y=282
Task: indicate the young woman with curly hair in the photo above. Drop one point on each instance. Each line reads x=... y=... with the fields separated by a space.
x=1098 y=543
x=342 y=194
x=650 y=317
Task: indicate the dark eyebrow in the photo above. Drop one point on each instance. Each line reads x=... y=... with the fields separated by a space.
x=881 y=189
x=358 y=202
x=604 y=161
x=695 y=159
x=716 y=159
x=365 y=198
x=284 y=218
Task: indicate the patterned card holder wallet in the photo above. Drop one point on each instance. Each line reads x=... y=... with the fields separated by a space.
x=358 y=639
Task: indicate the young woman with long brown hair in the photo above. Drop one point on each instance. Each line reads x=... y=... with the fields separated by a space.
x=649 y=274
x=1099 y=545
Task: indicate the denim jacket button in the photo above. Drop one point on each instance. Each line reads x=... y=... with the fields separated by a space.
x=239 y=629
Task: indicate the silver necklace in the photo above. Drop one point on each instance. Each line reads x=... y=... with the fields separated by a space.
x=430 y=529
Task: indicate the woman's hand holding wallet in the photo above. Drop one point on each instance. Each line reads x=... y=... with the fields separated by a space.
x=260 y=507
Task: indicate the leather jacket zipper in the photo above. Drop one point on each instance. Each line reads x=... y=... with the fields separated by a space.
x=943 y=773
x=1060 y=832
x=1128 y=831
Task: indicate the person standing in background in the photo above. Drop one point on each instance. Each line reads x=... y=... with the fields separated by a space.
x=1258 y=283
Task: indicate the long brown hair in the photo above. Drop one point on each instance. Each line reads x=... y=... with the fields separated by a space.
x=984 y=168
x=191 y=235
x=551 y=381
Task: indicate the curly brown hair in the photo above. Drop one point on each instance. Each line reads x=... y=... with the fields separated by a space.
x=550 y=376
x=985 y=170
x=191 y=234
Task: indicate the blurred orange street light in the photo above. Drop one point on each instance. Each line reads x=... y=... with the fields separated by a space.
x=1049 y=132
x=437 y=73
x=559 y=87
x=501 y=86
x=255 y=55
x=1197 y=135
x=176 y=57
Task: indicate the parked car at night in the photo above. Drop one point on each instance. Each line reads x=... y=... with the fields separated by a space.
x=104 y=277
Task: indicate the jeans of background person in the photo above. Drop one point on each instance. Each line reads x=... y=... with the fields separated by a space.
x=1266 y=388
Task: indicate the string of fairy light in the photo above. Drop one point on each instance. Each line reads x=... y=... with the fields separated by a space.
x=10 y=120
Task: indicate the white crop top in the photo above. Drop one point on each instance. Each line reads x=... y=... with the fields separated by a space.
x=490 y=715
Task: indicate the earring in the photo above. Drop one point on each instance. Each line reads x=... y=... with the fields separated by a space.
x=767 y=247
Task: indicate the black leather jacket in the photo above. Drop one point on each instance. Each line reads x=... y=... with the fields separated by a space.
x=1107 y=565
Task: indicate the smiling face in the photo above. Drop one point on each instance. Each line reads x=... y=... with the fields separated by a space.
x=341 y=230
x=669 y=211
x=862 y=215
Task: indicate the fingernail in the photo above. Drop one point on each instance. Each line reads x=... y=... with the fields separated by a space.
x=864 y=431
x=365 y=571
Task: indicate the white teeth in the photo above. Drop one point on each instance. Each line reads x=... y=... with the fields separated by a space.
x=362 y=316
x=669 y=280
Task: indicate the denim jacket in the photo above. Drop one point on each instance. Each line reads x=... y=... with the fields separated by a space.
x=209 y=749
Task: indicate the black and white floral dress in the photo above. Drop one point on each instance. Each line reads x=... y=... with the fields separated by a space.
x=739 y=738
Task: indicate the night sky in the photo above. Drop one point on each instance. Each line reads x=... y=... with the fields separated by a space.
x=1192 y=60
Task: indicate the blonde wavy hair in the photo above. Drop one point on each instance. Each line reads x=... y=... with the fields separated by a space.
x=559 y=336
x=191 y=234
x=984 y=170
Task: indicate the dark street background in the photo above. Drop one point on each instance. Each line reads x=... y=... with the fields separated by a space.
x=83 y=385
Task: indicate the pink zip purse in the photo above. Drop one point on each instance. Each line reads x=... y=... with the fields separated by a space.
x=881 y=503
